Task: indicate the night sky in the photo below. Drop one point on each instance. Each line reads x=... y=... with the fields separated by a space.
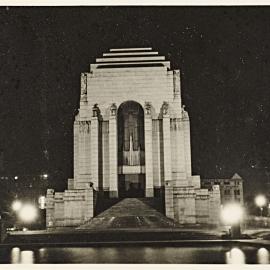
x=223 y=55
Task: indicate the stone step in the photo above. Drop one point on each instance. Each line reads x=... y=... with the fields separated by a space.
x=129 y=213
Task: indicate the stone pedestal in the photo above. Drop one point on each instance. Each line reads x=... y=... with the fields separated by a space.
x=184 y=205
x=69 y=208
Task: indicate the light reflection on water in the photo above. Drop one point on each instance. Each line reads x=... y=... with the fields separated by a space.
x=25 y=256
x=180 y=255
x=235 y=256
x=263 y=256
x=15 y=255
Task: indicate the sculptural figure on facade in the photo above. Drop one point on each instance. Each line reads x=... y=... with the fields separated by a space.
x=113 y=109
x=83 y=84
x=165 y=108
x=96 y=110
x=148 y=107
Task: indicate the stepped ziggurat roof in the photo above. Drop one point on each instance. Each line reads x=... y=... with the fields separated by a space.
x=130 y=57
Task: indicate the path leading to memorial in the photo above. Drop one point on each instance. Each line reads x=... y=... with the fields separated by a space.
x=129 y=213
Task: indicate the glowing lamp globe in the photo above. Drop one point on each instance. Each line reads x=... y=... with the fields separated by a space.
x=260 y=201
x=28 y=213
x=232 y=213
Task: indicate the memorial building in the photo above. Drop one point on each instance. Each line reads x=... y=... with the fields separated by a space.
x=132 y=139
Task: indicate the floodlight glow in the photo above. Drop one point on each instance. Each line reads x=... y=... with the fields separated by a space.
x=16 y=206
x=16 y=177
x=28 y=213
x=232 y=213
x=45 y=175
x=260 y=201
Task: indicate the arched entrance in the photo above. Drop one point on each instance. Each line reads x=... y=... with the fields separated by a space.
x=131 y=161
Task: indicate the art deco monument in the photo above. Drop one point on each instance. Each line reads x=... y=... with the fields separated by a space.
x=132 y=139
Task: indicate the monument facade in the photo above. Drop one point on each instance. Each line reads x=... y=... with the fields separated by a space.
x=132 y=139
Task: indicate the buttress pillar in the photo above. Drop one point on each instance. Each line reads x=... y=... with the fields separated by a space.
x=113 y=152
x=149 y=185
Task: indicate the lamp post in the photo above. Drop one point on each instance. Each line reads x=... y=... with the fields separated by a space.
x=232 y=215
x=260 y=201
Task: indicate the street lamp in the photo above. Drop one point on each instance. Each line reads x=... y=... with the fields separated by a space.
x=28 y=213
x=260 y=201
x=232 y=215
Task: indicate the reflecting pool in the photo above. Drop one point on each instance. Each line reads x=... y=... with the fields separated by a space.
x=137 y=254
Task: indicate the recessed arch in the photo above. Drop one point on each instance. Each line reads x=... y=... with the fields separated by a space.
x=131 y=149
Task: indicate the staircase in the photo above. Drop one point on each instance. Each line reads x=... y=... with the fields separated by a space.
x=130 y=213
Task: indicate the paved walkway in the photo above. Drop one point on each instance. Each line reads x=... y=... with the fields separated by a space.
x=129 y=213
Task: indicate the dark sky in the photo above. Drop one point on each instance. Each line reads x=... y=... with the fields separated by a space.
x=223 y=54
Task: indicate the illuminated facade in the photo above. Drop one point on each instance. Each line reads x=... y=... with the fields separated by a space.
x=132 y=139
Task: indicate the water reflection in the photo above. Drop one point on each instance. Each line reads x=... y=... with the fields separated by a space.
x=139 y=254
x=15 y=255
x=25 y=256
x=263 y=256
x=235 y=256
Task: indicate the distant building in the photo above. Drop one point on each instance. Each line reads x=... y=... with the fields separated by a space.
x=231 y=189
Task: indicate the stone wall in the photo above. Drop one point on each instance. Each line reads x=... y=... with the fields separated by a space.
x=202 y=206
x=188 y=205
x=184 y=205
x=153 y=84
x=214 y=205
x=169 y=200
x=69 y=208
x=178 y=152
